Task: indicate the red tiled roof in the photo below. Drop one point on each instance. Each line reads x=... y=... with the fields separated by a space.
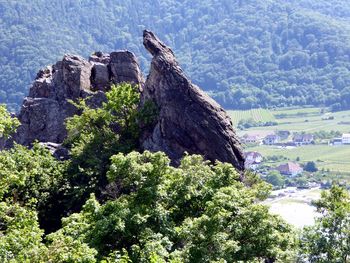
x=289 y=168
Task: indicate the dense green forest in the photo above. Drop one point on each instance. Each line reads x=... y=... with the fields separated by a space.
x=110 y=203
x=245 y=53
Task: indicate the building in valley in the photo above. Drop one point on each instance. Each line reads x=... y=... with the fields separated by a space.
x=271 y=139
x=252 y=160
x=303 y=139
x=345 y=138
x=290 y=169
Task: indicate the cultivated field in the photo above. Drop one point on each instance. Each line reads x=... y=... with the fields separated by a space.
x=309 y=120
x=296 y=112
x=334 y=158
x=297 y=120
x=262 y=115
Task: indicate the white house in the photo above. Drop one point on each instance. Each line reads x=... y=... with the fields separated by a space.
x=345 y=138
x=303 y=139
x=250 y=138
x=337 y=141
x=252 y=160
x=271 y=139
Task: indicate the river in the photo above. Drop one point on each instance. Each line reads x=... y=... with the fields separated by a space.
x=294 y=205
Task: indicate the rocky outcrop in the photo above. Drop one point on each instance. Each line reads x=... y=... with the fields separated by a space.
x=189 y=120
x=124 y=68
x=116 y=67
x=43 y=113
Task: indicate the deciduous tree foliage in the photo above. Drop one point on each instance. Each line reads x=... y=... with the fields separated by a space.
x=137 y=208
x=194 y=213
x=329 y=239
x=250 y=53
x=8 y=124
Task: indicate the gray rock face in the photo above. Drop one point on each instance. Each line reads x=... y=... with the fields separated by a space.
x=189 y=120
x=100 y=74
x=124 y=68
x=43 y=113
x=42 y=120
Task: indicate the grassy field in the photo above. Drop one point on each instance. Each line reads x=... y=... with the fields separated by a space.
x=262 y=115
x=296 y=112
x=334 y=158
x=295 y=120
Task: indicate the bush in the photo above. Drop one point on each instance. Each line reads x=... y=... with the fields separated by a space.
x=310 y=167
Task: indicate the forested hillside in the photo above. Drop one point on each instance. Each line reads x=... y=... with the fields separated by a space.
x=245 y=53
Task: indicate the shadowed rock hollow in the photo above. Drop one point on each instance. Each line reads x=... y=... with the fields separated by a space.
x=188 y=120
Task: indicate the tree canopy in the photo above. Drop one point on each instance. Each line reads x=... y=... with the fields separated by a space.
x=116 y=204
x=8 y=124
x=246 y=54
x=329 y=239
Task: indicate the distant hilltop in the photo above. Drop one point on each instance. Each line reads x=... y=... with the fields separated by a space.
x=245 y=54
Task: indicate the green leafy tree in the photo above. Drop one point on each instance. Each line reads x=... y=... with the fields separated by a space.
x=34 y=178
x=310 y=167
x=21 y=237
x=329 y=239
x=98 y=133
x=194 y=213
x=276 y=179
x=8 y=124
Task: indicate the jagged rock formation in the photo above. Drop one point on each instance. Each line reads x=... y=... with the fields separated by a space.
x=43 y=113
x=189 y=120
x=117 y=67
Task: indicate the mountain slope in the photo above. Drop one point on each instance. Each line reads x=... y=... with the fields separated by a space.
x=245 y=53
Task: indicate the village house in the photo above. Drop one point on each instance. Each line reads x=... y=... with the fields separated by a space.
x=290 y=169
x=337 y=141
x=250 y=138
x=303 y=139
x=271 y=139
x=345 y=138
x=252 y=160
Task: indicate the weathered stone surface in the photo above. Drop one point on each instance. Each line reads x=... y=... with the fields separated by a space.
x=189 y=120
x=101 y=73
x=42 y=84
x=43 y=113
x=71 y=76
x=100 y=76
x=124 y=68
x=42 y=120
x=100 y=57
